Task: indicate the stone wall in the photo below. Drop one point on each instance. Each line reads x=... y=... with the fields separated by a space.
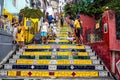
x=5 y=44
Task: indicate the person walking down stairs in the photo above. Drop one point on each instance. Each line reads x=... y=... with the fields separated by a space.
x=53 y=29
x=44 y=30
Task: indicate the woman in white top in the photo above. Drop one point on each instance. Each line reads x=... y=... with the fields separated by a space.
x=44 y=30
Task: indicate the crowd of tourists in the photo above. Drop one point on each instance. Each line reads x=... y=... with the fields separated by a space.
x=49 y=26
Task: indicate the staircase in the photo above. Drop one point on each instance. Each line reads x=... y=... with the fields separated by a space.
x=57 y=60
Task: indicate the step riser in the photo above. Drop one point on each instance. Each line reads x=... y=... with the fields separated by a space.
x=89 y=54
x=13 y=61
x=61 y=74
x=104 y=78
x=50 y=57
x=54 y=67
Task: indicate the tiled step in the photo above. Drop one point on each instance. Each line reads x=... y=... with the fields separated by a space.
x=65 y=41
x=58 y=59
x=50 y=53
x=33 y=55
x=54 y=67
x=58 y=49
x=57 y=74
x=51 y=57
x=88 y=78
x=59 y=62
x=54 y=46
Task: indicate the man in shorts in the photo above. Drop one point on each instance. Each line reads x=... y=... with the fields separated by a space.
x=77 y=30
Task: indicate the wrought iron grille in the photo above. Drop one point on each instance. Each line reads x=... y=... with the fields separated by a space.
x=118 y=25
x=94 y=35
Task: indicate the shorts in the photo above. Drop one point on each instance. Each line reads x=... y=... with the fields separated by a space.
x=43 y=33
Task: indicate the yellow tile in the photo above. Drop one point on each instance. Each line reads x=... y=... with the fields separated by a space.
x=64 y=53
x=45 y=47
x=62 y=35
x=39 y=47
x=80 y=47
x=37 y=53
x=43 y=62
x=64 y=46
x=82 y=62
x=64 y=41
x=51 y=40
x=68 y=74
x=30 y=47
x=63 y=74
x=71 y=46
x=63 y=62
x=25 y=61
x=82 y=54
x=87 y=74
x=24 y=73
x=77 y=74
x=12 y=73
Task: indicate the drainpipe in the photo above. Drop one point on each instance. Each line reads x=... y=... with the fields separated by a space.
x=113 y=61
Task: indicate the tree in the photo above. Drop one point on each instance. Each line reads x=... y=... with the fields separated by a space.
x=31 y=13
x=91 y=8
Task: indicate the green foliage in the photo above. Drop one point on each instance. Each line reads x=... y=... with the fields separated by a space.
x=95 y=8
x=87 y=7
x=31 y=13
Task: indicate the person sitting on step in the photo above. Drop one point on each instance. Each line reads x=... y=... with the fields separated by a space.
x=70 y=38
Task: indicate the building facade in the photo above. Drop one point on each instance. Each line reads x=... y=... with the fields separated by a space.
x=61 y=5
x=1 y=6
x=13 y=7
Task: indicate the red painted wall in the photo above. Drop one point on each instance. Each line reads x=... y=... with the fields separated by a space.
x=109 y=43
x=114 y=43
x=87 y=22
x=101 y=48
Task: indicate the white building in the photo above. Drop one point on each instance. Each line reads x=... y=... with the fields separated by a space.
x=61 y=5
x=14 y=6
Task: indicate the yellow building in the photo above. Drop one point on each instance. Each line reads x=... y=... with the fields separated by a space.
x=12 y=9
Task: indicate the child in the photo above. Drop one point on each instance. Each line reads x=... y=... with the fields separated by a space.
x=54 y=29
x=70 y=38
